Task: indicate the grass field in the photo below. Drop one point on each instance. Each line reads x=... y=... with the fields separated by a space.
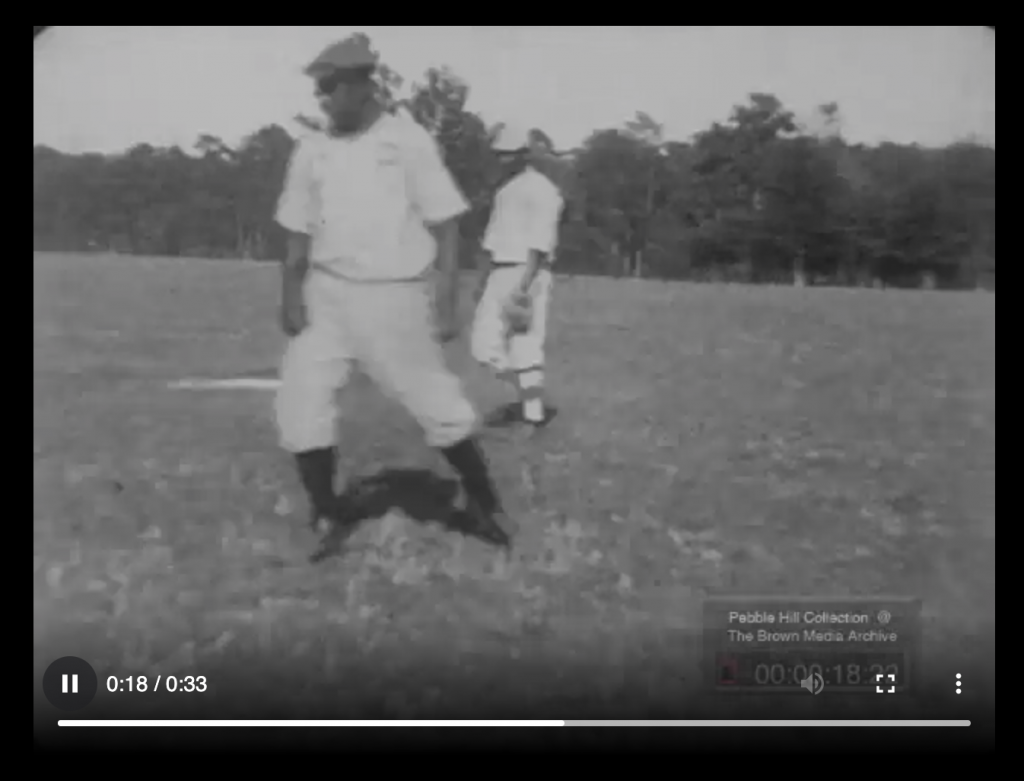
x=712 y=439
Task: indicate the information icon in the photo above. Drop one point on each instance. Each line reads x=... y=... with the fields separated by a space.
x=70 y=683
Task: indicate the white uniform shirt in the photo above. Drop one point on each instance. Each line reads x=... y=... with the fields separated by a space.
x=366 y=201
x=525 y=217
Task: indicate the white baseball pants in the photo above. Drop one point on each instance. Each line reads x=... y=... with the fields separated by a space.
x=388 y=329
x=490 y=342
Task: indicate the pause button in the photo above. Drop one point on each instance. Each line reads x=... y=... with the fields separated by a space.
x=69 y=683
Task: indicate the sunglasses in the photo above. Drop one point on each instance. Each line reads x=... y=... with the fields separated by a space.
x=329 y=82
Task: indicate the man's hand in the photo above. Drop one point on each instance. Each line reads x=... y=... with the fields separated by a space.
x=479 y=286
x=293 y=315
x=447 y=300
x=483 y=273
x=448 y=326
x=446 y=305
x=293 y=274
x=534 y=262
x=518 y=312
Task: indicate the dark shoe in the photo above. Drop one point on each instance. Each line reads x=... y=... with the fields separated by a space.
x=469 y=462
x=316 y=471
x=505 y=416
x=320 y=524
x=333 y=541
x=495 y=527
x=336 y=528
x=343 y=513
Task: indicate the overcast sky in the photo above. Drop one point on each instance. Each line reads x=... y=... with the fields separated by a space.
x=106 y=88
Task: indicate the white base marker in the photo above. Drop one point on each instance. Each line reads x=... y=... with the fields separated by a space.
x=235 y=383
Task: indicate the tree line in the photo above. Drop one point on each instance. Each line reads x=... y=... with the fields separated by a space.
x=757 y=197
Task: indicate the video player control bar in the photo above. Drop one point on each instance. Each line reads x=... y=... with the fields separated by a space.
x=552 y=723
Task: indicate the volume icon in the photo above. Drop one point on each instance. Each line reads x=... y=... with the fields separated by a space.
x=813 y=683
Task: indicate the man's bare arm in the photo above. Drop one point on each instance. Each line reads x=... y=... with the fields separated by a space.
x=447 y=236
x=534 y=263
x=546 y=212
x=483 y=271
x=293 y=274
x=296 y=261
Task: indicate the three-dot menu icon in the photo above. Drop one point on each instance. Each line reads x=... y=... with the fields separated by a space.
x=958 y=683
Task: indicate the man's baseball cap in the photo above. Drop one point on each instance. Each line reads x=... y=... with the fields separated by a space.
x=511 y=138
x=353 y=53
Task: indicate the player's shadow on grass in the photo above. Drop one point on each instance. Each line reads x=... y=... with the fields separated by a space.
x=420 y=494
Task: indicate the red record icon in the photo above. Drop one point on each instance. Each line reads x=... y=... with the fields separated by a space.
x=727 y=670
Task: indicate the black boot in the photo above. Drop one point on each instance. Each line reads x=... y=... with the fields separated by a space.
x=484 y=505
x=316 y=470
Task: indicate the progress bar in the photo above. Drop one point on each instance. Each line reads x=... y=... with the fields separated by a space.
x=295 y=723
x=428 y=723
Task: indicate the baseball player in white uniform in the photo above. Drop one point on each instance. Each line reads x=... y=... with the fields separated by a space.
x=368 y=208
x=510 y=326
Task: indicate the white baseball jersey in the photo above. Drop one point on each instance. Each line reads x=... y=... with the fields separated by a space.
x=366 y=201
x=526 y=214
